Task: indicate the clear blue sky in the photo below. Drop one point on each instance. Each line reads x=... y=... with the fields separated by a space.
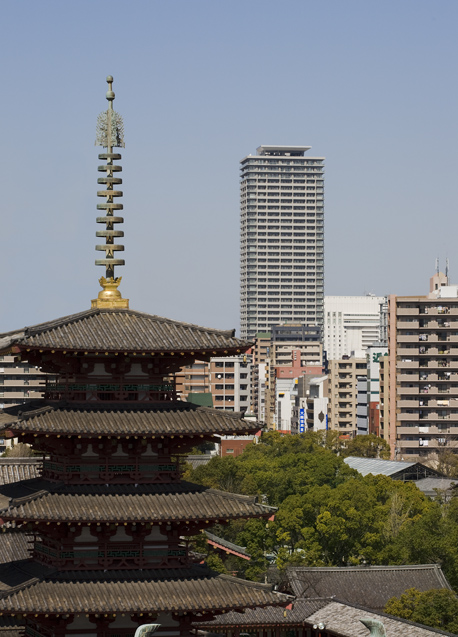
x=371 y=86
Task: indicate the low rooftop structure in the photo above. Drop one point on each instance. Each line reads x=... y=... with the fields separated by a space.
x=396 y=469
x=432 y=486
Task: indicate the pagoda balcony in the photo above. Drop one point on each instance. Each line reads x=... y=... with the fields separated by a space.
x=136 y=470
x=99 y=390
x=112 y=555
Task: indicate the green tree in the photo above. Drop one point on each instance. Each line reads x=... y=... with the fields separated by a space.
x=370 y=446
x=437 y=608
x=20 y=450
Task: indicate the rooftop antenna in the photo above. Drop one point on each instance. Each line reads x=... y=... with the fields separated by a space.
x=437 y=265
x=110 y=134
x=446 y=268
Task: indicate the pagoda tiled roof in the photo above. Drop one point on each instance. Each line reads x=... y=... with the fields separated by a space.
x=41 y=500
x=27 y=587
x=11 y=627
x=14 y=545
x=166 y=418
x=122 y=330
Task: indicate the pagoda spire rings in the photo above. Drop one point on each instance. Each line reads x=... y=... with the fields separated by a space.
x=110 y=134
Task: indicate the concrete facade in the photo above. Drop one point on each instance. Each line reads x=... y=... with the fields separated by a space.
x=230 y=382
x=281 y=239
x=343 y=394
x=19 y=382
x=423 y=375
x=352 y=323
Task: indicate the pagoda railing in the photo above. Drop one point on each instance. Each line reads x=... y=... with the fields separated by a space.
x=133 y=470
x=114 y=555
x=102 y=391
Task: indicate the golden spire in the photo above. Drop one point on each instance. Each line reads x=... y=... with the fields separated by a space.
x=110 y=134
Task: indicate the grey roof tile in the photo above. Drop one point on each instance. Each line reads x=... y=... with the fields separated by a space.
x=344 y=620
x=185 y=501
x=15 y=469
x=166 y=418
x=121 y=330
x=269 y=616
x=369 y=586
x=193 y=589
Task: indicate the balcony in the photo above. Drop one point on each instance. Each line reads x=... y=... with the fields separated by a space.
x=408 y=338
x=403 y=417
x=407 y=311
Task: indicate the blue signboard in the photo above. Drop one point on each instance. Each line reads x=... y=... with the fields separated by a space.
x=301 y=420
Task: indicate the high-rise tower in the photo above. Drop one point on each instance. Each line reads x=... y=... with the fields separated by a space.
x=282 y=238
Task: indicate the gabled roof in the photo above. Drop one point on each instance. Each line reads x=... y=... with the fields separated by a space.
x=369 y=586
x=116 y=330
x=340 y=619
x=166 y=418
x=344 y=620
x=41 y=500
x=31 y=588
x=229 y=547
x=396 y=469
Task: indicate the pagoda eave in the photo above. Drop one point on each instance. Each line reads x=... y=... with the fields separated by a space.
x=127 y=504
x=147 y=420
x=185 y=591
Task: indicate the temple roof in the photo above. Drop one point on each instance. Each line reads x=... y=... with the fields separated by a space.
x=371 y=586
x=41 y=500
x=166 y=418
x=122 y=330
x=268 y=616
x=227 y=546
x=28 y=587
x=339 y=618
x=14 y=545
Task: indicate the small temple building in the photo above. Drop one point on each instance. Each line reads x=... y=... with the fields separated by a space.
x=105 y=529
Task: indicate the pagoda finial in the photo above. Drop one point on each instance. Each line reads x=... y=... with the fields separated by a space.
x=110 y=134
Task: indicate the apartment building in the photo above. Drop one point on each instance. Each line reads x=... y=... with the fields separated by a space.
x=281 y=239
x=230 y=381
x=260 y=354
x=19 y=382
x=384 y=416
x=315 y=406
x=423 y=371
x=352 y=323
x=292 y=351
x=193 y=379
x=343 y=394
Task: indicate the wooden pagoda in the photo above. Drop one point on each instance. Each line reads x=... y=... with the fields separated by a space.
x=108 y=518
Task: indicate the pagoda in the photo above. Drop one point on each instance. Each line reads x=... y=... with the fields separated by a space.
x=109 y=519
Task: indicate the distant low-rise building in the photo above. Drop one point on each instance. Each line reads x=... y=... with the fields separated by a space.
x=352 y=323
x=20 y=382
x=343 y=394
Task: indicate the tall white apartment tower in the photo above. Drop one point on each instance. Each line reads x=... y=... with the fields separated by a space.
x=282 y=239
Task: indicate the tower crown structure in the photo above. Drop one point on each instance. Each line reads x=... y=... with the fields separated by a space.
x=110 y=518
x=110 y=134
